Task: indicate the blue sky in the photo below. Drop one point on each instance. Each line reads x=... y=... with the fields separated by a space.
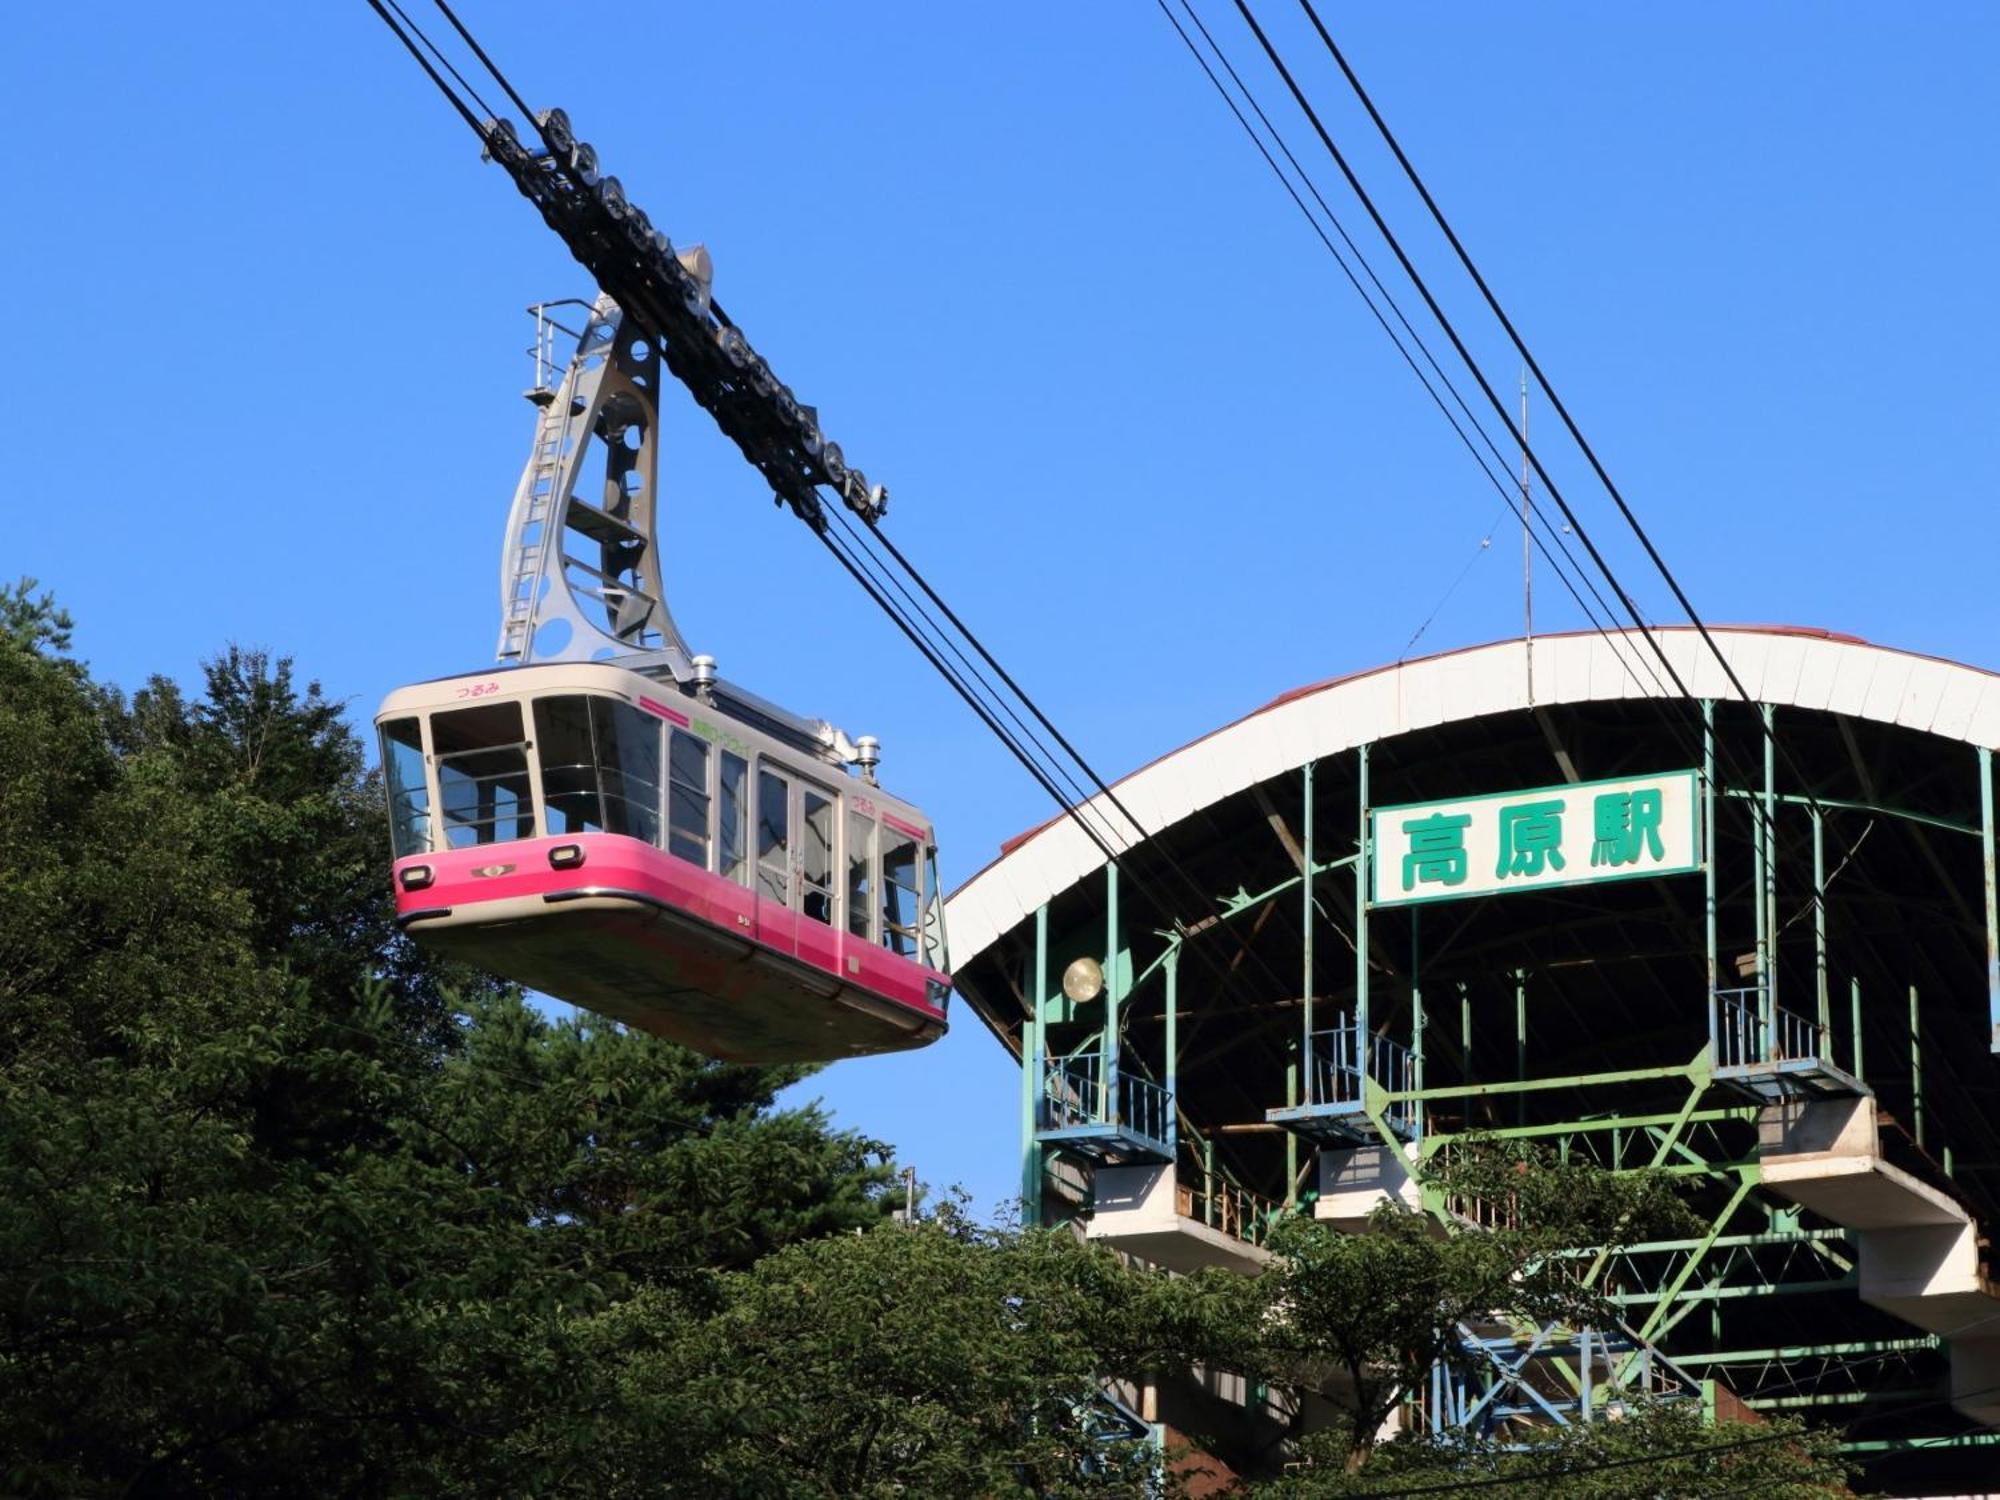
x=266 y=363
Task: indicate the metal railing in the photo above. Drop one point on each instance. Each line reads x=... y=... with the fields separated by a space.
x=1073 y=1094
x=1212 y=1199
x=1337 y=1073
x=1498 y=1212
x=1744 y=1037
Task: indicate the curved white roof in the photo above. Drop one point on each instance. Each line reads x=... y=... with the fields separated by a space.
x=1781 y=665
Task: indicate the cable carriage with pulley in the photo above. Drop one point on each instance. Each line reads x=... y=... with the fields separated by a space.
x=601 y=816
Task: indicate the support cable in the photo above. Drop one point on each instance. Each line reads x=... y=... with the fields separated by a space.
x=480 y=52
x=1520 y=344
x=1616 y=638
x=1527 y=355
x=1508 y=491
x=444 y=62
x=1644 y=628
x=424 y=63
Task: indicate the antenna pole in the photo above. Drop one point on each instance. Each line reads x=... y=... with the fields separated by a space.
x=1527 y=554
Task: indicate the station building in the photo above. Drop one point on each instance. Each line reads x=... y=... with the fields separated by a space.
x=1733 y=916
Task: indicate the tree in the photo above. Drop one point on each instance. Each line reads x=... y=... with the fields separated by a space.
x=1366 y=1317
x=1649 y=1453
x=1370 y=1315
x=281 y=1196
x=934 y=1359
x=33 y=622
x=286 y=1201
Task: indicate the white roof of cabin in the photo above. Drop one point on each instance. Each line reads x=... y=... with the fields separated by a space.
x=1781 y=665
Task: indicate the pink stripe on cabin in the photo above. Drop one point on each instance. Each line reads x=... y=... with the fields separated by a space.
x=663 y=711
x=519 y=867
x=923 y=835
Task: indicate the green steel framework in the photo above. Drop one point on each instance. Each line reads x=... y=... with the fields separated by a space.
x=1751 y=1247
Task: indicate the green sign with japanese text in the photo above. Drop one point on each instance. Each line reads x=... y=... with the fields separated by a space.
x=1534 y=839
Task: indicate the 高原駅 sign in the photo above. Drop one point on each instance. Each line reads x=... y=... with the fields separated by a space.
x=1531 y=840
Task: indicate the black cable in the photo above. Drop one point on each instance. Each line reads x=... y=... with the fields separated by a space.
x=1451 y=332
x=1493 y=303
x=1362 y=260
x=488 y=110
x=1516 y=503
x=1527 y=356
x=1616 y=638
x=985 y=715
x=1648 y=632
x=1073 y=808
x=424 y=63
x=1020 y=740
x=1076 y=790
x=480 y=53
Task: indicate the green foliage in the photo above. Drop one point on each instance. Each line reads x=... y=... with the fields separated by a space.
x=922 y=1360
x=1647 y=1454
x=287 y=1203
x=280 y=1195
x=1372 y=1313
x=32 y=622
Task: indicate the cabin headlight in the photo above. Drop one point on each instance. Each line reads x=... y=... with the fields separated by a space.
x=566 y=856
x=416 y=877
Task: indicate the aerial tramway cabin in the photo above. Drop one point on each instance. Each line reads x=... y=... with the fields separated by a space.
x=640 y=851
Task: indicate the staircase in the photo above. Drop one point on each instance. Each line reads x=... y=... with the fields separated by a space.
x=1919 y=1248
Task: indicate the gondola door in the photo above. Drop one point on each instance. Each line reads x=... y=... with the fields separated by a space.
x=818 y=815
x=777 y=916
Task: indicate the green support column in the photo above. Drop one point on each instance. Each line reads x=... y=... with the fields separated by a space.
x=1710 y=795
x=1819 y=934
x=1854 y=1009
x=1916 y=1069
x=1033 y=1044
x=1767 y=887
x=1291 y=1137
x=1208 y=1182
x=1361 y=901
x=1416 y=1013
x=1114 y=986
x=1465 y=1028
x=1173 y=1054
x=1992 y=900
x=1520 y=1042
x=1306 y=915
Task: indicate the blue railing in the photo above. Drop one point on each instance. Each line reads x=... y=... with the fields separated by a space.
x=1744 y=1037
x=1073 y=1094
x=1344 y=1057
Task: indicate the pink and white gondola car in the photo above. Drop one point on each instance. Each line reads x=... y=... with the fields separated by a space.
x=636 y=850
